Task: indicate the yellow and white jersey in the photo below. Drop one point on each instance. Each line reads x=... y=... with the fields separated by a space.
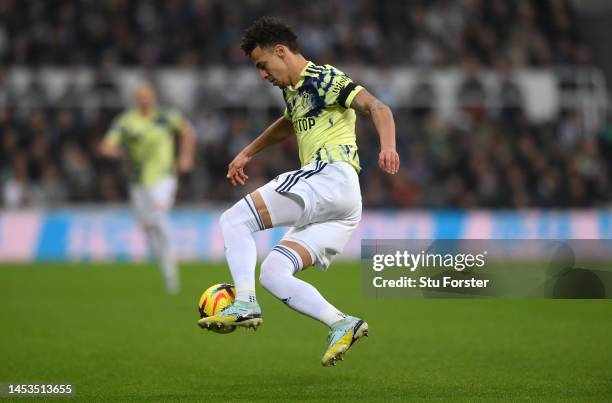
x=148 y=142
x=318 y=106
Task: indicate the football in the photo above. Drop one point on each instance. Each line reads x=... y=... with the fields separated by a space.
x=214 y=299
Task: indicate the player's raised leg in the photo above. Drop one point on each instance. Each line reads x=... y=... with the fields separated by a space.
x=314 y=244
x=277 y=276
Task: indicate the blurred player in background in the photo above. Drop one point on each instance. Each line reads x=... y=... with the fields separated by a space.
x=146 y=135
x=321 y=201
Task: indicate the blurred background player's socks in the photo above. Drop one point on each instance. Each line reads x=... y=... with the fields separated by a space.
x=277 y=277
x=237 y=225
x=161 y=249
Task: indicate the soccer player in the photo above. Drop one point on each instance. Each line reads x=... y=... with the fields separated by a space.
x=321 y=201
x=146 y=134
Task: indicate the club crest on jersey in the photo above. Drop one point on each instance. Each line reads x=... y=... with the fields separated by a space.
x=306 y=100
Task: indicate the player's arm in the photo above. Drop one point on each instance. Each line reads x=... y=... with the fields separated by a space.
x=369 y=105
x=275 y=133
x=110 y=146
x=109 y=149
x=186 y=152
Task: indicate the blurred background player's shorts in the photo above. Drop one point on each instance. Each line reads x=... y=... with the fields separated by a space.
x=150 y=201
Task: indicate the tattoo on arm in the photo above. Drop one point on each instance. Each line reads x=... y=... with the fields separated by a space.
x=370 y=107
x=362 y=109
x=376 y=105
x=366 y=104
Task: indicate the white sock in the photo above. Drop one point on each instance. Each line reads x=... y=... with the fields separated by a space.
x=277 y=277
x=161 y=248
x=238 y=225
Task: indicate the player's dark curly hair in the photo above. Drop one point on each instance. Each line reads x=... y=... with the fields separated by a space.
x=268 y=31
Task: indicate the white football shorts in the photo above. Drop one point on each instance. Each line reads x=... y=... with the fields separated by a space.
x=331 y=197
x=153 y=201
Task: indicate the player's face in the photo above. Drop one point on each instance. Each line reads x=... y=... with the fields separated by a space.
x=144 y=97
x=270 y=62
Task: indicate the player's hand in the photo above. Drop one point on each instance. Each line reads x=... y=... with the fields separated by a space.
x=185 y=164
x=388 y=161
x=108 y=150
x=235 y=171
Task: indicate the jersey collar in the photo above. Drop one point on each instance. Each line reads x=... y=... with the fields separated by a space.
x=303 y=74
x=152 y=115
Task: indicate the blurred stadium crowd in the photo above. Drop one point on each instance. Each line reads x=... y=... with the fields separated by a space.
x=483 y=157
x=200 y=32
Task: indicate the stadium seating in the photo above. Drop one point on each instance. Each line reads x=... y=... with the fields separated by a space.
x=487 y=152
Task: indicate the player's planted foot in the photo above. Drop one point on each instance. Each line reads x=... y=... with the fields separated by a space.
x=342 y=335
x=240 y=313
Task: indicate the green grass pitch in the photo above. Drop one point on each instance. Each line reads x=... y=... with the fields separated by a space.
x=112 y=332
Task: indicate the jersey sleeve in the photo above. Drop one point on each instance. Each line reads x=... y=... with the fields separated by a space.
x=113 y=136
x=176 y=120
x=342 y=90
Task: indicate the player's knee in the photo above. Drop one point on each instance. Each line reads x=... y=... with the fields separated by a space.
x=230 y=218
x=274 y=266
x=149 y=225
x=239 y=216
x=266 y=275
x=225 y=219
